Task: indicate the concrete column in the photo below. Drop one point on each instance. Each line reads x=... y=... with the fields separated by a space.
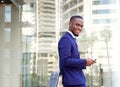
x=15 y=49
x=4 y=65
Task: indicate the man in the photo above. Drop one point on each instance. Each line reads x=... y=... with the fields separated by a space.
x=71 y=65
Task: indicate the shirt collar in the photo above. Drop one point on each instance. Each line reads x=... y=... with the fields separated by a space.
x=72 y=34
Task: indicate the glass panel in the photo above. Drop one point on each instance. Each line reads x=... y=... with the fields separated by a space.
x=29 y=76
x=104 y=11
x=7 y=13
x=7 y=17
x=103 y=2
x=29 y=35
x=7 y=8
x=7 y=35
x=17 y=49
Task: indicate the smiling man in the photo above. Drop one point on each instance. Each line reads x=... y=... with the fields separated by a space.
x=71 y=64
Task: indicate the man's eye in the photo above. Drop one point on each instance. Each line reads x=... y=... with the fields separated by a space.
x=81 y=25
x=77 y=25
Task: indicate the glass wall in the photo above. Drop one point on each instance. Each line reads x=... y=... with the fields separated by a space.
x=30 y=30
x=29 y=34
x=10 y=46
x=17 y=43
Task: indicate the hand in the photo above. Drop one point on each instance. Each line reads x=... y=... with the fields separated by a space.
x=90 y=61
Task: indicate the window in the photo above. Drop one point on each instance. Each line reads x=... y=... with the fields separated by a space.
x=103 y=21
x=100 y=2
x=7 y=34
x=104 y=11
x=7 y=13
x=43 y=54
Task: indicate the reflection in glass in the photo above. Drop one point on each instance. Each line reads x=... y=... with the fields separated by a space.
x=7 y=13
x=29 y=35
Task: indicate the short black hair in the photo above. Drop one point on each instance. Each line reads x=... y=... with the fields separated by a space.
x=76 y=16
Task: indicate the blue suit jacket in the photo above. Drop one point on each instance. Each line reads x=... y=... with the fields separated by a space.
x=70 y=65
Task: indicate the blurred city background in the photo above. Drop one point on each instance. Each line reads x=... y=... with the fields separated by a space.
x=29 y=34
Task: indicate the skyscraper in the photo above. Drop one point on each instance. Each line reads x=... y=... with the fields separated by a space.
x=48 y=34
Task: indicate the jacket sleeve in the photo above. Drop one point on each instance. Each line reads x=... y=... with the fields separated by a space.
x=65 y=56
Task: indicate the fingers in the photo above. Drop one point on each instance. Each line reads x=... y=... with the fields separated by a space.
x=90 y=61
x=94 y=61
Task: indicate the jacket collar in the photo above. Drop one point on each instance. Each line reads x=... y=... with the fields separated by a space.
x=72 y=34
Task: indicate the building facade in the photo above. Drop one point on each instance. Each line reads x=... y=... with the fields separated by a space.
x=48 y=35
x=30 y=30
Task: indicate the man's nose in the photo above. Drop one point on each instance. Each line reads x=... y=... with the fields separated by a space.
x=80 y=28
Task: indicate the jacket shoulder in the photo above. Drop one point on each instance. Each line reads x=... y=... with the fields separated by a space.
x=64 y=38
